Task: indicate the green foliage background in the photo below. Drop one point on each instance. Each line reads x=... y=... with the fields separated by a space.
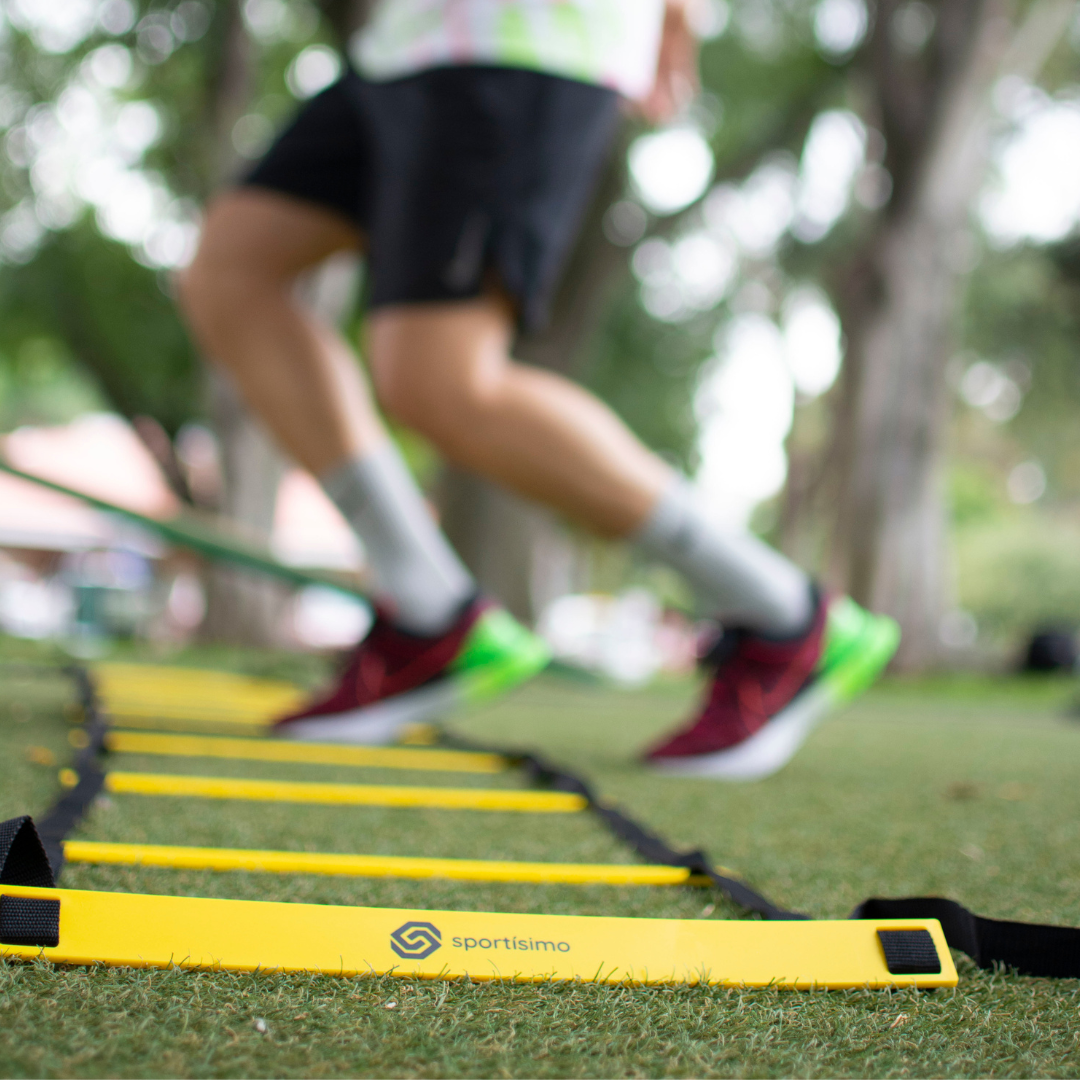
x=86 y=323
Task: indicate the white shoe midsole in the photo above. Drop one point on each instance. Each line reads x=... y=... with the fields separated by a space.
x=767 y=750
x=377 y=725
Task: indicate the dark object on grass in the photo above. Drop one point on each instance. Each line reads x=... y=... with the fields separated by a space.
x=1051 y=649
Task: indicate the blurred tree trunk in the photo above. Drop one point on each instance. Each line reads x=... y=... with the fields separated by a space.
x=519 y=551
x=228 y=93
x=881 y=480
x=241 y=608
x=244 y=608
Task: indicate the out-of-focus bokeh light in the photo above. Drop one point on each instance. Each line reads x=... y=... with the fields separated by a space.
x=266 y=20
x=273 y=21
x=745 y=401
x=709 y=18
x=840 y=26
x=757 y=212
x=56 y=26
x=671 y=169
x=252 y=135
x=1034 y=193
x=87 y=149
x=1027 y=483
x=911 y=26
x=988 y=387
x=745 y=404
x=118 y=16
x=832 y=157
x=691 y=274
x=812 y=341
x=314 y=69
x=109 y=66
x=625 y=223
x=189 y=20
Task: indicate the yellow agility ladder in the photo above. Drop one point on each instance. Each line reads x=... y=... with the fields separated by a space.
x=884 y=943
x=70 y=926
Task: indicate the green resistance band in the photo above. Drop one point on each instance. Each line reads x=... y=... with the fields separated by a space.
x=206 y=537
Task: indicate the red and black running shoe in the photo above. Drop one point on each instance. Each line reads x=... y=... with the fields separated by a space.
x=396 y=678
x=766 y=694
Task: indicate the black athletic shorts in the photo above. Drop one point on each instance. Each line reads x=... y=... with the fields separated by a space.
x=452 y=174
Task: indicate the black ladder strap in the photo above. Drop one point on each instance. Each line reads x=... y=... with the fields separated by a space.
x=1031 y=948
x=22 y=856
x=650 y=846
x=72 y=806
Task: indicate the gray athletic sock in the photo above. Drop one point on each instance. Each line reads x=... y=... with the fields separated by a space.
x=416 y=572
x=741 y=579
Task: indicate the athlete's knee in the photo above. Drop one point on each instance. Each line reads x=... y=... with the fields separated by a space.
x=397 y=395
x=220 y=289
x=250 y=253
x=428 y=405
x=448 y=405
x=442 y=371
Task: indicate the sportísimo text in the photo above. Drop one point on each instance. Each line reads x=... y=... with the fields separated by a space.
x=508 y=943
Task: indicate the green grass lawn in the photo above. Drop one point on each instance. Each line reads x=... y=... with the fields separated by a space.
x=962 y=787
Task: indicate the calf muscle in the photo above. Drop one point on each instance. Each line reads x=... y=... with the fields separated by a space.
x=446 y=371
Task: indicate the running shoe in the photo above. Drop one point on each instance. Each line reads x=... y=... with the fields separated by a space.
x=768 y=694
x=395 y=679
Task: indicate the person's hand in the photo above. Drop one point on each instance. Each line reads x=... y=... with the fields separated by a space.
x=676 y=70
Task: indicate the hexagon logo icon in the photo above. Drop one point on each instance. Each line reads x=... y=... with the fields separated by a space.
x=415 y=940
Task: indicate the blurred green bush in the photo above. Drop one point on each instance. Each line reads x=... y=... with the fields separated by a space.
x=1018 y=573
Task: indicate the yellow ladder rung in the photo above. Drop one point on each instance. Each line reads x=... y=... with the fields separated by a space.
x=119 y=675
x=303 y=862
x=184 y=709
x=188 y=723
x=132 y=742
x=178 y=693
x=219 y=787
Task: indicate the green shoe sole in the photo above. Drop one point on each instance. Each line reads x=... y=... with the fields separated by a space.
x=858 y=647
x=499 y=654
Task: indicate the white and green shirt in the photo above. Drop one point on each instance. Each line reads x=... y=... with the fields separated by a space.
x=612 y=43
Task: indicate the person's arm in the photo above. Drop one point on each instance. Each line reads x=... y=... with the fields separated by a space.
x=677 y=67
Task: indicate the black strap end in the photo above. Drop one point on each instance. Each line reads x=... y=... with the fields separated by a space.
x=28 y=920
x=910 y=952
x=22 y=856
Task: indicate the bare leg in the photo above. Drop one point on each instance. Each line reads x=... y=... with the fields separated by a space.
x=445 y=370
x=295 y=371
x=300 y=377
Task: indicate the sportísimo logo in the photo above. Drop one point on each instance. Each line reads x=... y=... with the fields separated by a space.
x=415 y=940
